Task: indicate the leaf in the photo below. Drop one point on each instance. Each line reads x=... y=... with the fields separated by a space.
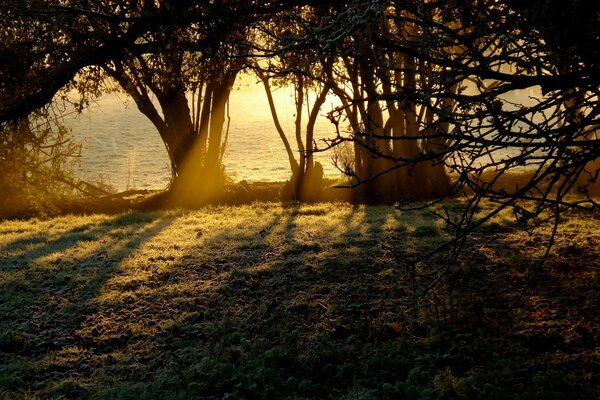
x=395 y=327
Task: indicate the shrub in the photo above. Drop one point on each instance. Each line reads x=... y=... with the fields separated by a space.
x=36 y=159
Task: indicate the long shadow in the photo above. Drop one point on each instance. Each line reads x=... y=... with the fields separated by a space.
x=296 y=298
x=39 y=242
x=291 y=304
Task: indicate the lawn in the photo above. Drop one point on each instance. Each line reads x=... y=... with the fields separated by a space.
x=307 y=301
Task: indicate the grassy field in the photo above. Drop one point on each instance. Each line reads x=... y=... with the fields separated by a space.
x=308 y=301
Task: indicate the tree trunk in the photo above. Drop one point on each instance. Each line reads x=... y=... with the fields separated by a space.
x=286 y=143
x=220 y=97
x=179 y=136
x=376 y=161
x=416 y=174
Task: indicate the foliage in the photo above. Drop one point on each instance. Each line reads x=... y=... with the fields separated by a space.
x=35 y=160
x=150 y=53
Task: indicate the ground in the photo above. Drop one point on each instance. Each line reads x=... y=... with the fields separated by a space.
x=297 y=301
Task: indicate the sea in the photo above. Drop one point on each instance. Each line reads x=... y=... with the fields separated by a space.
x=121 y=147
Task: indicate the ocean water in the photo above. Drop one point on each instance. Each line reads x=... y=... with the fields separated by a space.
x=122 y=147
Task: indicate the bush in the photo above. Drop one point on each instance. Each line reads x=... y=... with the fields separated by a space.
x=36 y=158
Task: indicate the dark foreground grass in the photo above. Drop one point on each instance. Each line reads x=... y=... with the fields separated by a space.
x=265 y=301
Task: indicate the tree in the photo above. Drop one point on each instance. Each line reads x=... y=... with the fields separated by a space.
x=45 y=45
x=448 y=68
x=192 y=90
x=399 y=143
x=161 y=48
x=308 y=80
x=429 y=88
x=426 y=86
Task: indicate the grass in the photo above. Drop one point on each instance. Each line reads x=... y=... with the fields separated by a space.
x=308 y=301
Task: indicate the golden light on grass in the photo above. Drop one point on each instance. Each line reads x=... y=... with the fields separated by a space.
x=150 y=282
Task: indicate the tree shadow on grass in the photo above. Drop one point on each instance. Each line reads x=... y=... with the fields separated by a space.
x=305 y=301
x=299 y=303
x=49 y=289
x=502 y=325
x=307 y=306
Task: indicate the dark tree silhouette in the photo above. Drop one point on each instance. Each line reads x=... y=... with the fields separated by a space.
x=367 y=77
x=308 y=79
x=489 y=100
x=428 y=87
x=163 y=50
x=45 y=44
x=192 y=89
